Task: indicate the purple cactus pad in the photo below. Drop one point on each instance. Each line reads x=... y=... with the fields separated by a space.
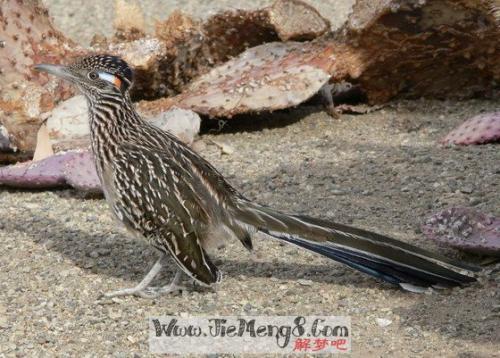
x=73 y=168
x=465 y=229
x=43 y=174
x=483 y=128
x=80 y=172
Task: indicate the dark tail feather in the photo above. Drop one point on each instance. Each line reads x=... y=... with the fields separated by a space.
x=388 y=259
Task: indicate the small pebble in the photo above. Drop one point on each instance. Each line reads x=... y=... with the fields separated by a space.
x=304 y=282
x=474 y=201
x=383 y=322
x=466 y=189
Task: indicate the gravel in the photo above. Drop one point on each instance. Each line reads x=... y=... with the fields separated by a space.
x=60 y=251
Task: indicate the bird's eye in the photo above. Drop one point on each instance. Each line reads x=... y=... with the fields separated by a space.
x=93 y=75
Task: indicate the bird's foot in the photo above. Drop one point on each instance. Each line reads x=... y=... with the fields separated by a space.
x=152 y=292
x=148 y=292
x=145 y=291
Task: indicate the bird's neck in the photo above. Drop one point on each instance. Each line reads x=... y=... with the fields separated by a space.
x=113 y=120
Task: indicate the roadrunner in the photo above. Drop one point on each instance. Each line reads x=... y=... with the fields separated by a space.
x=166 y=193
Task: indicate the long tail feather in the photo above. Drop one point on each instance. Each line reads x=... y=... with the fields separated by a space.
x=385 y=258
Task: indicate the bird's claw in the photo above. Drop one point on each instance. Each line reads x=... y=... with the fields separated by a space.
x=153 y=292
x=148 y=292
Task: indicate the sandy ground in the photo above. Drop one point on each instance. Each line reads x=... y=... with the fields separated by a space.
x=381 y=171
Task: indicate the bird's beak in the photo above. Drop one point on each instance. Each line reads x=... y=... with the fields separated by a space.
x=57 y=70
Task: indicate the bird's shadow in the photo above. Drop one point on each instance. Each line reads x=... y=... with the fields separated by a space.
x=129 y=258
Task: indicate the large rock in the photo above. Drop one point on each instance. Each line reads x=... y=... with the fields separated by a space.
x=195 y=47
x=434 y=48
x=68 y=124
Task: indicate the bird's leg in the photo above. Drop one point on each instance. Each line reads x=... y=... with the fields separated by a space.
x=173 y=286
x=139 y=290
x=144 y=290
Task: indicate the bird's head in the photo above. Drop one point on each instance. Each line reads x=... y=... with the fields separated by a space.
x=95 y=75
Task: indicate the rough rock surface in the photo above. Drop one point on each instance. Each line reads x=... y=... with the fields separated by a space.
x=185 y=124
x=194 y=47
x=68 y=124
x=436 y=49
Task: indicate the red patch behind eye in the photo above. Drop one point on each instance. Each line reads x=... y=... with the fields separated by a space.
x=117 y=81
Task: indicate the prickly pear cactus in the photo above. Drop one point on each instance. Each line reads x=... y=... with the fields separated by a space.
x=79 y=171
x=28 y=37
x=268 y=77
x=72 y=168
x=465 y=229
x=194 y=47
x=483 y=128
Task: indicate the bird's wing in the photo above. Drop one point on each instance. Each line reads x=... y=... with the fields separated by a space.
x=216 y=195
x=155 y=196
